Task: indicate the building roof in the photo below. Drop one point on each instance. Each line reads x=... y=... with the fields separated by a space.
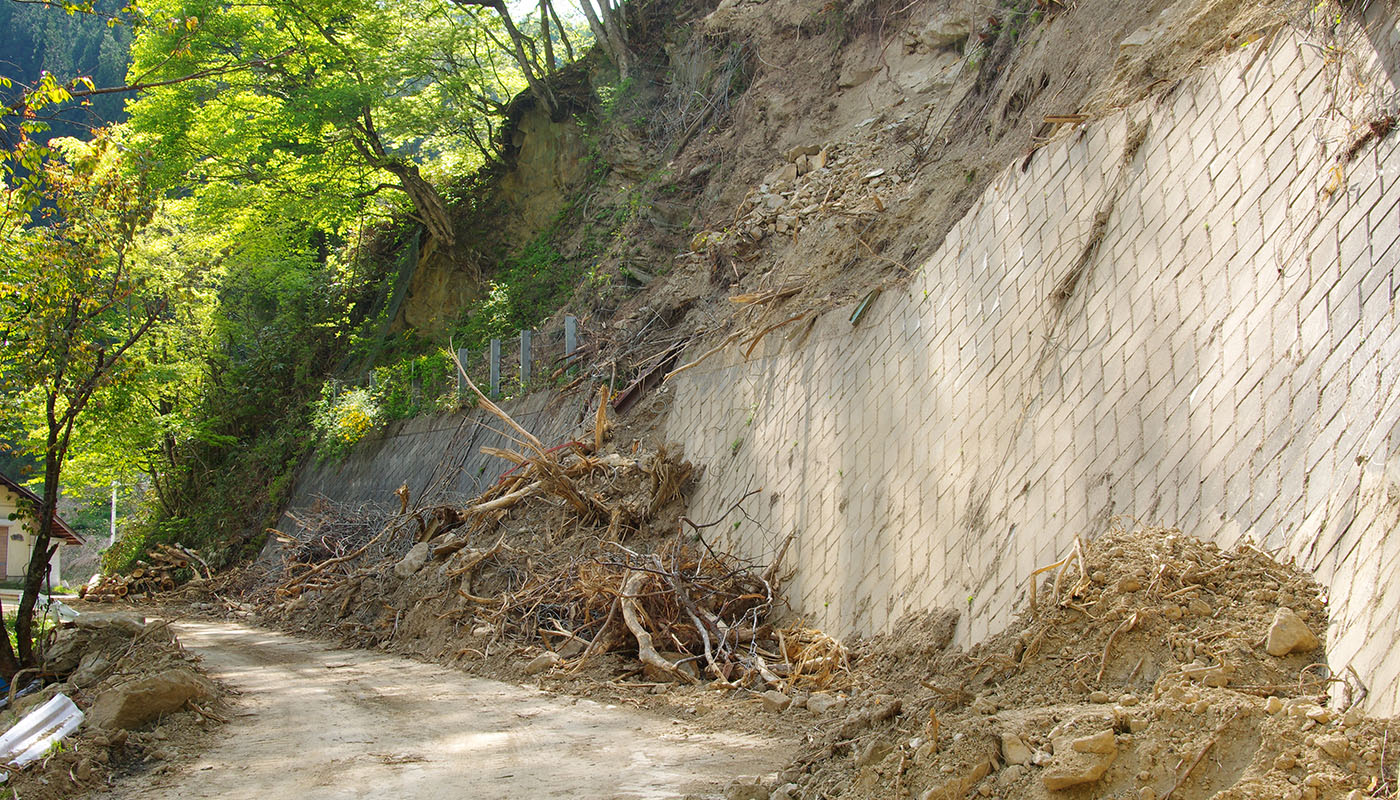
x=60 y=527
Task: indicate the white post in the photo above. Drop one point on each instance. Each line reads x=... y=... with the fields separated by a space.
x=112 y=537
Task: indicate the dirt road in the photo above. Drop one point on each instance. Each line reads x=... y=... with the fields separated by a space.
x=315 y=722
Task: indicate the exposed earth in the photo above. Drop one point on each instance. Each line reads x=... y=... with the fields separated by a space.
x=312 y=721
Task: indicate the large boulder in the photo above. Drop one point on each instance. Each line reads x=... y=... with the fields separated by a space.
x=131 y=705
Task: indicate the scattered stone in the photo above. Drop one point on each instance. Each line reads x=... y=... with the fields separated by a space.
x=803 y=150
x=1098 y=696
x=824 y=703
x=776 y=701
x=745 y=789
x=1318 y=714
x=1014 y=750
x=873 y=753
x=1102 y=742
x=413 y=560
x=1334 y=746
x=788 y=791
x=1273 y=705
x=91 y=669
x=1289 y=634
x=984 y=705
x=1284 y=762
x=1147 y=793
x=1076 y=771
x=1128 y=700
x=1129 y=584
x=542 y=662
x=131 y=705
x=958 y=787
x=873 y=174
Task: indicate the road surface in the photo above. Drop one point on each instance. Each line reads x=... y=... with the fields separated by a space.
x=315 y=722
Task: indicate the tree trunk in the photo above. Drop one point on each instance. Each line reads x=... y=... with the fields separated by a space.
x=528 y=67
x=39 y=556
x=610 y=30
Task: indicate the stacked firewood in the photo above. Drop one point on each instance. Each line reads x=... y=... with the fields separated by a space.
x=158 y=573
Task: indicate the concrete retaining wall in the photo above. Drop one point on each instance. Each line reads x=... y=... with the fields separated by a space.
x=1184 y=313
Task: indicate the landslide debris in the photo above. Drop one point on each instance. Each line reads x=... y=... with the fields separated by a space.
x=580 y=562
x=1149 y=665
x=144 y=699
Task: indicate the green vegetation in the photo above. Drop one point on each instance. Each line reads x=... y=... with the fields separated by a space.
x=197 y=287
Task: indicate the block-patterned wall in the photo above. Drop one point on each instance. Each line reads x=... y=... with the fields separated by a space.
x=1184 y=313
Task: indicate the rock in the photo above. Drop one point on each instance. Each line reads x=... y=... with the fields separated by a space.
x=1334 y=746
x=802 y=150
x=853 y=75
x=823 y=703
x=1066 y=771
x=413 y=560
x=1011 y=776
x=1099 y=697
x=776 y=701
x=873 y=752
x=946 y=29
x=1318 y=714
x=1081 y=761
x=788 y=173
x=1273 y=705
x=984 y=705
x=542 y=662
x=1289 y=634
x=957 y=788
x=1284 y=762
x=788 y=791
x=745 y=789
x=1129 y=584
x=133 y=704
x=819 y=160
x=1101 y=743
x=1128 y=700
x=873 y=174
x=128 y=624
x=1014 y=750
x=91 y=669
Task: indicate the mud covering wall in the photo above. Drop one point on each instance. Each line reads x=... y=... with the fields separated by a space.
x=438 y=457
x=1183 y=313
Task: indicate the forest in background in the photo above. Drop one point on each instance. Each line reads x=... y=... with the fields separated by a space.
x=205 y=208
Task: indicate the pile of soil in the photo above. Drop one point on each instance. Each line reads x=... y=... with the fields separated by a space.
x=1149 y=673
x=146 y=703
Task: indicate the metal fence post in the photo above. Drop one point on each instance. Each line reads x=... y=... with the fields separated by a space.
x=570 y=340
x=526 y=362
x=495 y=367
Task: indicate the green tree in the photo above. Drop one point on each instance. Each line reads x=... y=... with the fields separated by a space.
x=349 y=99
x=72 y=308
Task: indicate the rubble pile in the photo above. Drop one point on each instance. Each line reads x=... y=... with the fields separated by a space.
x=1149 y=665
x=140 y=694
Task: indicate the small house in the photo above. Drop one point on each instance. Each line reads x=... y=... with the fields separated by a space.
x=16 y=500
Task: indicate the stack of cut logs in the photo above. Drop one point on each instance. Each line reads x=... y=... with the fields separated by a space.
x=155 y=575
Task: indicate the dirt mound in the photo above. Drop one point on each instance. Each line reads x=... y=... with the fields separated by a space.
x=1143 y=669
x=145 y=702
